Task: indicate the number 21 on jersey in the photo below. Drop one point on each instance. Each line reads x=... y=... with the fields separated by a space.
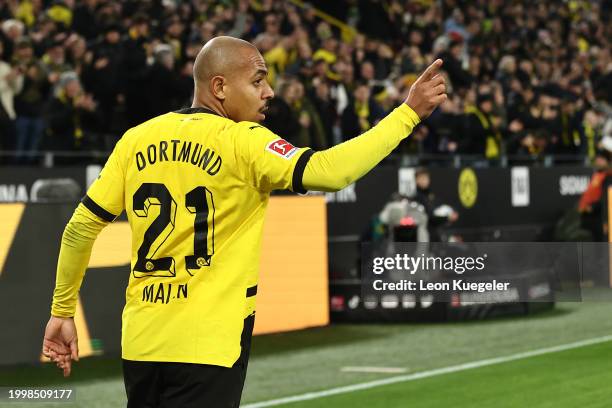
x=199 y=203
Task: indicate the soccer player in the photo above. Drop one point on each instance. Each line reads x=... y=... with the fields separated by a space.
x=195 y=185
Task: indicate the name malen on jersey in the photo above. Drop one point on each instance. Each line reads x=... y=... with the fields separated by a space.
x=163 y=292
x=179 y=151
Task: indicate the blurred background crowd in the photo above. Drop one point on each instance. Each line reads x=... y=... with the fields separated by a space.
x=526 y=79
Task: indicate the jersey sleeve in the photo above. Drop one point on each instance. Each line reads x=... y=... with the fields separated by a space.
x=75 y=251
x=105 y=197
x=337 y=167
x=268 y=162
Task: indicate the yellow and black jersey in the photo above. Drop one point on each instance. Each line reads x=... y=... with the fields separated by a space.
x=195 y=187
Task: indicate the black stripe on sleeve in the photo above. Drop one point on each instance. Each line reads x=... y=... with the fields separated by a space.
x=252 y=291
x=298 y=171
x=96 y=209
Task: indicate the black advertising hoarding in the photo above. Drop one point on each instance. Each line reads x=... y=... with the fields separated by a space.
x=482 y=196
x=509 y=196
x=350 y=210
x=22 y=184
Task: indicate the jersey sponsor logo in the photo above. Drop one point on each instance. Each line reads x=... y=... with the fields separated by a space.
x=282 y=148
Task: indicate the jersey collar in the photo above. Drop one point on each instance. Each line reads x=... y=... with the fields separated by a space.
x=187 y=111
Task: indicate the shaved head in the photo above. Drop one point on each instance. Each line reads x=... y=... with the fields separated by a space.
x=221 y=56
x=230 y=78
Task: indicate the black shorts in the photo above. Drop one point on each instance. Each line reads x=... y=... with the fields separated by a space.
x=184 y=385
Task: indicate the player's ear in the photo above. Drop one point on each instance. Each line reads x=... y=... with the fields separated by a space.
x=217 y=87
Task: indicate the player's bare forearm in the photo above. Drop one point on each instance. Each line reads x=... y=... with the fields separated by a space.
x=77 y=241
x=335 y=168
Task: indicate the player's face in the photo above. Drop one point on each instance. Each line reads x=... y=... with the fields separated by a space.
x=249 y=92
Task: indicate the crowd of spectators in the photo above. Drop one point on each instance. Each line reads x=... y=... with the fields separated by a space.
x=525 y=78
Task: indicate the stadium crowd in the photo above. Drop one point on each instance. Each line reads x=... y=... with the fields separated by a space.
x=526 y=78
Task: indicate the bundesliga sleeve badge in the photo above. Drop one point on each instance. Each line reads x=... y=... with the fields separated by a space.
x=282 y=148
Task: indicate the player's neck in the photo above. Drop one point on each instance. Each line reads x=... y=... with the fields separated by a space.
x=210 y=108
x=210 y=105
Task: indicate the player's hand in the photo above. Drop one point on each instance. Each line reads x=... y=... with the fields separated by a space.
x=60 y=343
x=428 y=91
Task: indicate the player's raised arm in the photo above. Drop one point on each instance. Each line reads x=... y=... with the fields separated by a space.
x=339 y=166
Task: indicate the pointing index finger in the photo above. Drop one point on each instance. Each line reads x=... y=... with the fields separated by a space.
x=432 y=70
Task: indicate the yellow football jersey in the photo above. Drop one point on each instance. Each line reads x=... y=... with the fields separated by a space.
x=195 y=187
